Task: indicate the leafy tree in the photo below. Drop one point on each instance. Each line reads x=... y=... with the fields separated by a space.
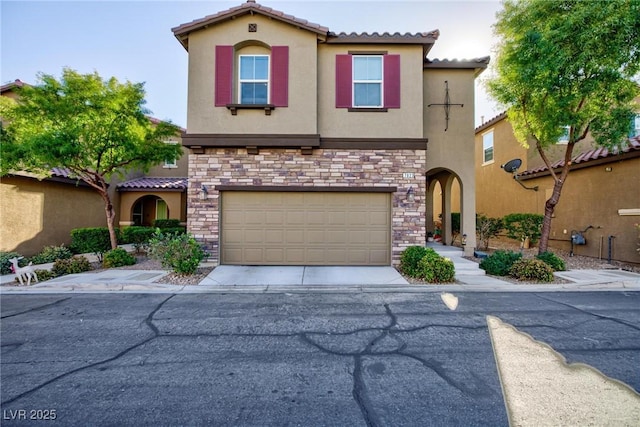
x=566 y=64
x=94 y=128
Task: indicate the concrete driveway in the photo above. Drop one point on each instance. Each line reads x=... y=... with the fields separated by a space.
x=231 y=275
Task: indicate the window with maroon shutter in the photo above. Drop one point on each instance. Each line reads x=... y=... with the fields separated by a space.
x=263 y=79
x=280 y=76
x=367 y=81
x=224 y=76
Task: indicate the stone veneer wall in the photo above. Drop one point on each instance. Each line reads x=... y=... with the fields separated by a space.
x=325 y=168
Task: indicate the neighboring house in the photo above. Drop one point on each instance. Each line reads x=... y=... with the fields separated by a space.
x=159 y=194
x=314 y=148
x=601 y=191
x=36 y=212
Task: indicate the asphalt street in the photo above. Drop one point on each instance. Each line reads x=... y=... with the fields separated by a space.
x=312 y=359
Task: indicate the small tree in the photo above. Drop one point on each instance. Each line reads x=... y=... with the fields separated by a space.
x=94 y=128
x=567 y=65
x=487 y=228
x=522 y=226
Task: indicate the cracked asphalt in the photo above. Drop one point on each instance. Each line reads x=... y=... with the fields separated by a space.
x=290 y=359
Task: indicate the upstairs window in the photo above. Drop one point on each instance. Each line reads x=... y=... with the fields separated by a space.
x=487 y=147
x=367 y=81
x=635 y=125
x=171 y=163
x=253 y=79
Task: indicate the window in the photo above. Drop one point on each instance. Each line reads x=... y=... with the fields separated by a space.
x=170 y=163
x=367 y=81
x=487 y=147
x=253 y=79
x=636 y=125
x=564 y=138
x=162 y=210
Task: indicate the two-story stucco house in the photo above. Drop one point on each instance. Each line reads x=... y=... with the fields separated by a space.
x=308 y=147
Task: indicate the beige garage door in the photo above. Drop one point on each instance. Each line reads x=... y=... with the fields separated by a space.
x=297 y=228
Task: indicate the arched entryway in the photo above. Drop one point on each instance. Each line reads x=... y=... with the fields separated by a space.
x=446 y=213
x=147 y=209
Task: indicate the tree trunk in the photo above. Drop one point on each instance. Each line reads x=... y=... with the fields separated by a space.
x=550 y=205
x=111 y=216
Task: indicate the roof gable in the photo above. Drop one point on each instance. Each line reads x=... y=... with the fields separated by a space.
x=182 y=32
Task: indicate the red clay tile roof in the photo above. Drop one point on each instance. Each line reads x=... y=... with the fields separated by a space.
x=479 y=64
x=11 y=86
x=182 y=31
x=598 y=153
x=386 y=38
x=154 y=183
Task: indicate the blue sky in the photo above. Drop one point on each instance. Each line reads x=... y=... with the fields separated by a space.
x=132 y=40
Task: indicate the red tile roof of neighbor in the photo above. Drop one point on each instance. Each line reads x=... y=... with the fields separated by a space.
x=11 y=86
x=154 y=183
x=633 y=146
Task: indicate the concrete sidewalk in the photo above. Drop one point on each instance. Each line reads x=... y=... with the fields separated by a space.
x=313 y=279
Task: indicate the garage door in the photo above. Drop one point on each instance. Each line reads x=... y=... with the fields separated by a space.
x=298 y=228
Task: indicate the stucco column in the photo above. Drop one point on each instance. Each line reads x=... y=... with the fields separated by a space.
x=468 y=214
x=447 y=236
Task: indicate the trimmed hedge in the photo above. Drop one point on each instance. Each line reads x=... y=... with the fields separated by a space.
x=75 y=264
x=410 y=258
x=94 y=240
x=166 y=223
x=499 y=262
x=117 y=258
x=531 y=269
x=553 y=261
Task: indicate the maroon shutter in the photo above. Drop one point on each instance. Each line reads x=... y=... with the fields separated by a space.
x=343 y=81
x=224 y=76
x=280 y=76
x=392 y=81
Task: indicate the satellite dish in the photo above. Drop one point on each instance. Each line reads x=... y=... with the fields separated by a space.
x=512 y=165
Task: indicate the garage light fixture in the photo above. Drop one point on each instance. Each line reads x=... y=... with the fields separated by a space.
x=411 y=197
x=204 y=193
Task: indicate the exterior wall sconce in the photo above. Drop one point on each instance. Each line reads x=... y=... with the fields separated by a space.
x=411 y=197
x=204 y=193
x=464 y=240
x=608 y=169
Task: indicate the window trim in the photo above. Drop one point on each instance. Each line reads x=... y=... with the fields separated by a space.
x=562 y=140
x=484 y=150
x=241 y=80
x=355 y=81
x=174 y=164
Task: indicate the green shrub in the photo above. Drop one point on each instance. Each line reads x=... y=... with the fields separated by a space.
x=436 y=269
x=499 y=262
x=92 y=240
x=166 y=223
x=455 y=222
x=51 y=253
x=410 y=258
x=175 y=230
x=553 y=261
x=5 y=265
x=117 y=258
x=519 y=226
x=44 y=275
x=531 y=269
x=487 y=228
x=180 y=252
x=138 y=236
x=75 y=264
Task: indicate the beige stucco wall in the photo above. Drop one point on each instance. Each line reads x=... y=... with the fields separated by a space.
x=593 y=196
x=497 y=194
x=404 y=122
x=289 y=168
x=590 y=196
x=300 y=117
x=34 y=214
x=452 y=150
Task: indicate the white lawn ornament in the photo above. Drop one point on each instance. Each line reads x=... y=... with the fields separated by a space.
x=23 y=272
